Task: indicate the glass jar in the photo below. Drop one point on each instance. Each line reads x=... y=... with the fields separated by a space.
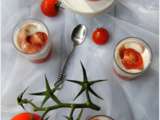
x=31 y=40
x=138 y=45
x=100 y=117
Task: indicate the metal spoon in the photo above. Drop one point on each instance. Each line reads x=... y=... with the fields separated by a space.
x=78 y=36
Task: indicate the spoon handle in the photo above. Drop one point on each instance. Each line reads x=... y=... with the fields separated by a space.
x=61 y=76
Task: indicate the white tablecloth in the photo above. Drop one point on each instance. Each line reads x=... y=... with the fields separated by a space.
x=143 y=13
x=123 y=100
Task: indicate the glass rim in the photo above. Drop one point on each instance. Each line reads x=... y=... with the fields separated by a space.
x=22 y=23
x=100 y=116
x=146 y=45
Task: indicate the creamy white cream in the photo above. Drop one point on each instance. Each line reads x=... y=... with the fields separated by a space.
x=101 y=118
x=137 y=45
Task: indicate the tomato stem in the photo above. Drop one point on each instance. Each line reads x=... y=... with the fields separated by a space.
x=59 y=5
x=50 y=94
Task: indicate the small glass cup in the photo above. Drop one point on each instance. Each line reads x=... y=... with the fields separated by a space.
x=100 y=117
x=41 y=55
x=147 y=58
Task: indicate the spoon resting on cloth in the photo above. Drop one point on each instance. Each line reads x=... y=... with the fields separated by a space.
x=78 y=37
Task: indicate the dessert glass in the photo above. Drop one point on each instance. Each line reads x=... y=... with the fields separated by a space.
x=100 y=117
x=41 y=55
x=118 y=68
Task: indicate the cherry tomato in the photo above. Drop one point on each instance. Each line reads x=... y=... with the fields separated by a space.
x=131 y=59
x=50 y=7
x=100 y=36
x=26 y=116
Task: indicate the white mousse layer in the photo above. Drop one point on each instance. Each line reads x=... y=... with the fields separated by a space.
x=101 y=118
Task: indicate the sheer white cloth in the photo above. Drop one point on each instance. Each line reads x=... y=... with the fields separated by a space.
x=123 y=100
x=143 y=13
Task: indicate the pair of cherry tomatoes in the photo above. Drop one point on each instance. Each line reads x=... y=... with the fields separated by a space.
x=26 y=116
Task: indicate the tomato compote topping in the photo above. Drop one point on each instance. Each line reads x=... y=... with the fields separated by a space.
x=32 y=43
x=131 y=59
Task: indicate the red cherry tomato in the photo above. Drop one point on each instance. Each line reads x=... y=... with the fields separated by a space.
x=100 y=36
x=49 y=7
x=131 y=59
x=26 y=116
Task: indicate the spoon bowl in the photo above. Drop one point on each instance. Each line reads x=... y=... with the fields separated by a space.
x=79 y=34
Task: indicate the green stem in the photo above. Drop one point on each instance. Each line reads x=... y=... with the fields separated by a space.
x=55 y=99
x=69 y=105
x=45 y=113
x=25 y=101
x=80 y=114
x=88 y=97
x=71 y=113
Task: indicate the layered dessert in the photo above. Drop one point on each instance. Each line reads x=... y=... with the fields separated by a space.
x=100 y=117
x=132 y=57
x=31 y=40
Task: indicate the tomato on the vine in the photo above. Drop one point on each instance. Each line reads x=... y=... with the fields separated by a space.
x=50 y=7
x=26 y=116
x=100 y=36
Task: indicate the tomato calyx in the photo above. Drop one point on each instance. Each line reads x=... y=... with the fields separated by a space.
x=131 y=59
x=58 y=5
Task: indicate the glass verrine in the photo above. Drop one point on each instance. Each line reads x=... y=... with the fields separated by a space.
x=31 y=40
x=132 y=57
x=100 y=117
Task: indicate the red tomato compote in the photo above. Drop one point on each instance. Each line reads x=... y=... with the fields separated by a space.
x=32 y=43
x=131 y=59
